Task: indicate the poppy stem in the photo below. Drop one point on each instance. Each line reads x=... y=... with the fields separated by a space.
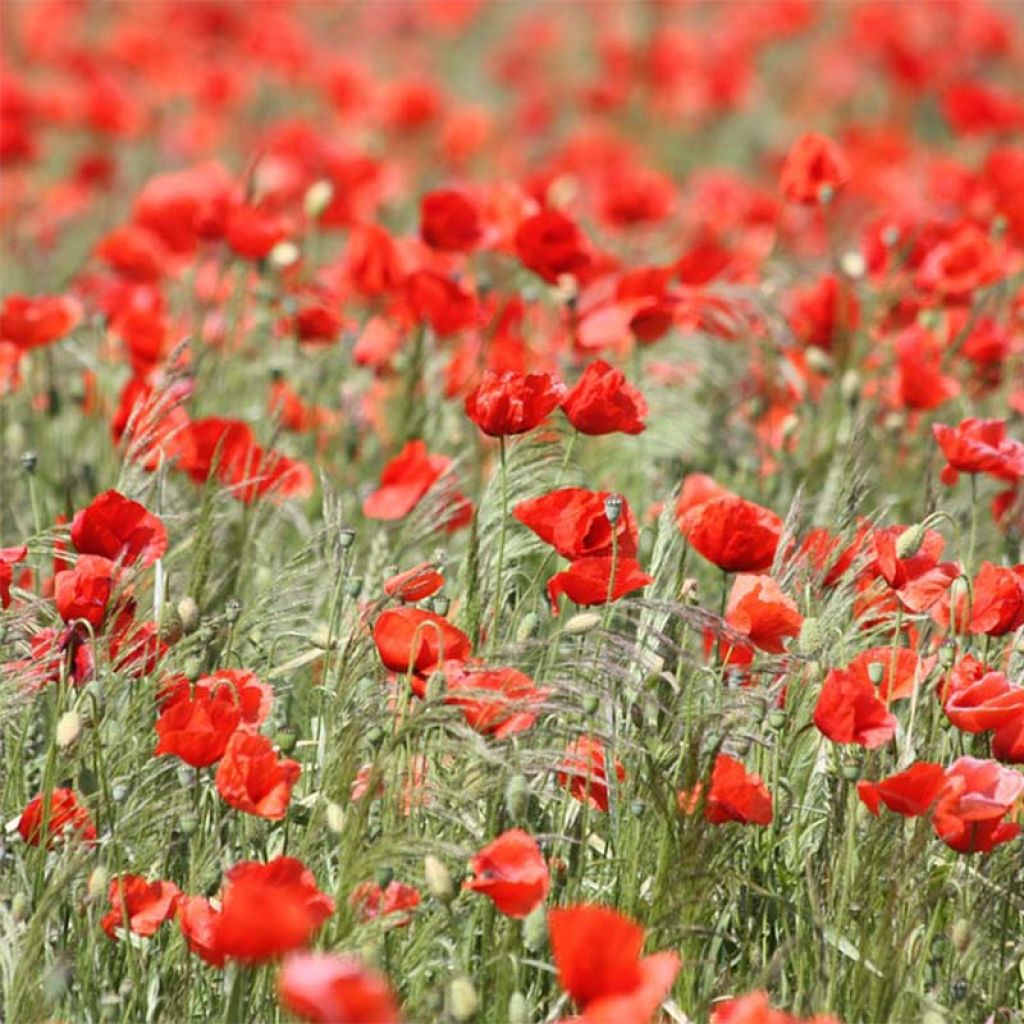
x=501 y=540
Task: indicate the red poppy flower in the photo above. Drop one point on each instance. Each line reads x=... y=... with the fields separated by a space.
x=759 y=610
x=372 y=261
x=513 y=403
x=582 y=771
x=135 y=253
x=251 y=232
x=588 y=581
x=735 y=534
x=404 y=482
x=997 y=607
x=911 y=793
x=266 y=910
x=253 y=778
x=498 y=702
x=918 y=579
x=449 y=221
x=755 y=1008
x=84 y=592
x=119 y=529
x=9 y=557
x=31 y=323
x=197 y=730
x=253 y=697
x=736 y=795
x=814 y=170
x=970 y=813
x=65 y=816
x=327 y=988
x=604 y=402
x=152 y=424
x=440 y=302
x=1008 y=741
x=139 y=906
x=822 y=312
x=850 y=711
x=957 y=265
x=901 y=670
x=979 y=446
x=598 y=956
x=575 y=523
x=416 y=584
x=512 y=872
x=979 y=703
x=919 y=382
x=414 y=640
x=550 y=244
x=370 y=901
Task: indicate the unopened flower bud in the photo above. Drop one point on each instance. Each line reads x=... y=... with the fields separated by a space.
x=582 y=622
x=188 y=613
x=29 y=461
x=961 y=935
x=518 y=1009
x=590 y=704
x=910 y=540
x=947 y=654
x=193 y=669
x=285 y=740
x=463 y=1002
x=517 y=797
x=441 y=604
x=776 y=718
x=354 y=586
x=232 y=611
x=317 y=198
x=96 y=887
x=19 y=906
x=528 y=627
x=385 y=876
x=335 y=817
x=438 y=879
x=283 y=255
x=69 y=728
x=535 y=929
x=849 y=387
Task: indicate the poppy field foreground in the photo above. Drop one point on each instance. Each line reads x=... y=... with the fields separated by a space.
x=512 y=512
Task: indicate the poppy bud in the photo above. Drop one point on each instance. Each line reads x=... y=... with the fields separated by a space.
x=876 y=673
x=528 y=627
x=354 y=586
x=19 y=906
x=637 y=808
x=385 y=876
x=170 y=625
x=335 y=816
x=958 y=990
x=119 y=793
x=193 y=669
x=959 y=595
x=961 y=935
x=535 y=929
x=591 y=704
x=820 y=362
x=317 y=198
x=284 y=254
x=285 y=740
x=517 y=796
x=187 y=824
x=518 y=1009
x=810 y=635
x=374 y=735
x=438 y=879
x=435 y=686
x=613 y=508
x=188 y=613
x=186 y=775
x=346 y=537
x=910 y=540
x=947 y=654
x=776 y=718
x=69 y=728
x=463 y=1002
x=581 y=622
x=96 y=887
x=849 y=387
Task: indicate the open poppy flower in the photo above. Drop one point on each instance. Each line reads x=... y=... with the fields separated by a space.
x=814 y=169
x=598 y=956
x=405 y=481
x=604 y=402
x=997 y=605
x=759 y=610
x=9 y=557
x=588 y=581
x=251 y=777
x=414 y=640
x=84 y=592
x=917 y=578
x=979 y=446
x=971 y=811
x=982 y=703
x=64 y=816
x=253 y=697
x=449 y=221
x=266 y=910
x=574 y=521
x=735 y=534
x=139 y=907
x=327 y=988
x=511 y=871
x=509 y=403
x=911 y=793
x=197 y=730
x=416 y=584
x=370 y=901
x=33 y=322
x=736 y=795
x=117 y=528
x=849 y=710
x=583 y=772
x=498 y=702
x=902 y=670
x=550 y=244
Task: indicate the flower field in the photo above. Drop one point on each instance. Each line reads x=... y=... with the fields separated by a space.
x=512 y=512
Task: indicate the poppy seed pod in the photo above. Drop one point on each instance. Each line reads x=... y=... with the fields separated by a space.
x=613 y=508
x=876 y=672
x=188 y=613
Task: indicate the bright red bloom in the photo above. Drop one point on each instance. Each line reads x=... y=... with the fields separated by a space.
x=918 y=579
x=574 y=522
x=822 y=312
x=66 y=816
x=976 y=702
x=84 y=592
x=266 y=910
x=736 y=795
x=498 y=702
x=414 y=640
x=328 y=989
x=31 y=323
x=759 y=610
x=998 y=600
x=850 y=711
x=550 y=244
x=754 y=1008
x=197 y=730
x=9 y=557
x=372 y=261
x=957 y=265
x=735 y=534
x=598 y=955
x=404 y=482
x=251 y=232
x=588 y=581
x=253 y=778
x=979 y=446
x=253 y=697
x=902 y=670
x=604 y=402
x=513 y=403
x=416 y=584
x=370 y=901
x=440 y=302
x=582 y=771
x=449 y=221
x=139 y=906
x=119 y=529
x=512 y=872
x=814 y=170
x=970 y=814
x=911 y=793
